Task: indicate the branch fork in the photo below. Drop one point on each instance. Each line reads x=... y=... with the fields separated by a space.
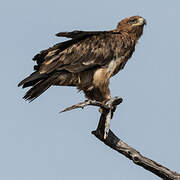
x=108 y=109
x=104 y=134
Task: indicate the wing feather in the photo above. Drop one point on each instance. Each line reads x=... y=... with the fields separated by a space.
x=80 y=34
x=83 y=54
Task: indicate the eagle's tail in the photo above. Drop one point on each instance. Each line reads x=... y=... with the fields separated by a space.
x=32 y=79
x=39 y=88
x=39 y=83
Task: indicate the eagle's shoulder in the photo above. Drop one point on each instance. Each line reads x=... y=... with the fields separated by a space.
x=96 y=50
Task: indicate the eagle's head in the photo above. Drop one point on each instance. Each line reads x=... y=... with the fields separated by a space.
x=132 y=24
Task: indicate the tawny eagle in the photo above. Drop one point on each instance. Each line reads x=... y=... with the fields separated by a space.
x=88 y=60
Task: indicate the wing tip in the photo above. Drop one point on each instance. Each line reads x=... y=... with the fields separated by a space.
x=21 y=83
x=61 y=34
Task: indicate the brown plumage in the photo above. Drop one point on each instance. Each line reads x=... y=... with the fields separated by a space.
x=87 y=61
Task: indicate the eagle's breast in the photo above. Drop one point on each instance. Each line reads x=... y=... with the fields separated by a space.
x=114 y=66
x=122 y=48
x=118 y=63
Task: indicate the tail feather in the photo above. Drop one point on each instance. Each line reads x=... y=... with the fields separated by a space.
x=40 y=85
x=30 y=83
x=38 y=89
x=32 y=79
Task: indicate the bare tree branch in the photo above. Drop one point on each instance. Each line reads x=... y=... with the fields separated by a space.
x=84 y=104
x=104 y=134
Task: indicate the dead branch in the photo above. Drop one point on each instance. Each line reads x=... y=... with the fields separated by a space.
x=104 y=134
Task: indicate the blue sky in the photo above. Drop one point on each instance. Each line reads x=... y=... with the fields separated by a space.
x=38 y=143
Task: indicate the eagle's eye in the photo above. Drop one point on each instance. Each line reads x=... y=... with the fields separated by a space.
x=132 y=21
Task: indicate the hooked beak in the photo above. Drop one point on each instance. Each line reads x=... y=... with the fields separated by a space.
x=142 y=21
